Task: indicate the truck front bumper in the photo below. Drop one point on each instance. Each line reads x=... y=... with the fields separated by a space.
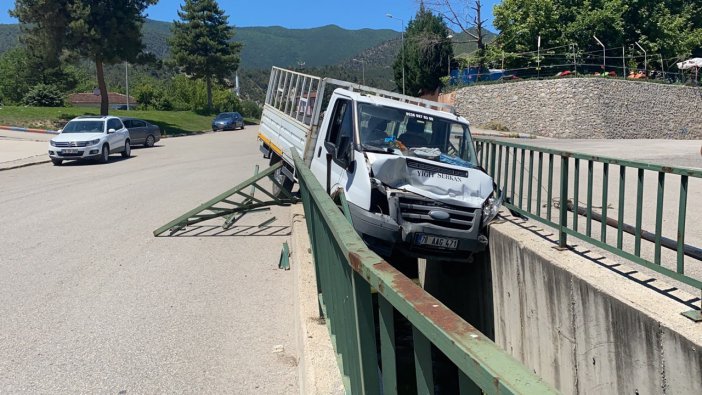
x=396 y=233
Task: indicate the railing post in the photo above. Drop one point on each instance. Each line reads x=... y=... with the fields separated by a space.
x=563 y=216
x=493 y=157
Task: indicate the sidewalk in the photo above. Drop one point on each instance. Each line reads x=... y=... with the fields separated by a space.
x=20 y=149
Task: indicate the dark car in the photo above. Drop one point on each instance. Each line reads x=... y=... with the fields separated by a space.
x=142 y=132
x=228 y=120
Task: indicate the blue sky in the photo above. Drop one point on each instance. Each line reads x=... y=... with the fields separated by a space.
x=355 y=14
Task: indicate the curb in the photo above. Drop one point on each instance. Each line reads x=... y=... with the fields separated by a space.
x=27 y=130
x=318 y=370
x=26 y=162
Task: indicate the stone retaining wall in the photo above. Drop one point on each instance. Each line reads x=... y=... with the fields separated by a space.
x=586 y=108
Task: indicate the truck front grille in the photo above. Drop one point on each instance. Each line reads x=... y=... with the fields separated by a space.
x=417 y=210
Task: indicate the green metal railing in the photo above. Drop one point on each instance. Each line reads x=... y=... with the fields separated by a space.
x=513 y=165
x=347 y=271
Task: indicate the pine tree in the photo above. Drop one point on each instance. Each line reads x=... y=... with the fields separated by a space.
x=202 y=43
x=427 y=50
x=107 y=32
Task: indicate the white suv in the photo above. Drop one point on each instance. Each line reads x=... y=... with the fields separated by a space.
x=94 y=137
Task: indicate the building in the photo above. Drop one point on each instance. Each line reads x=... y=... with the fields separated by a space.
x=117 y=100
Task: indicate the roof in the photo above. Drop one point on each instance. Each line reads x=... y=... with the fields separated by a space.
x=93 y=118
x=383 y=101
x=90 y=98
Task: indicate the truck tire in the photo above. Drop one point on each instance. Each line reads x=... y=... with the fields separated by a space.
x=281 y=178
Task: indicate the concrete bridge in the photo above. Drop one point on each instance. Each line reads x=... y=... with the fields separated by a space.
x=96 y=304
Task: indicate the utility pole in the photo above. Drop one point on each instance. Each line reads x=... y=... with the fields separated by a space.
x=604 y=53
x=403 y=49
x=538 y=57
x=623 y=61
x=126 y=79
x=363 y=69
x=645 y=57
x=575 y=62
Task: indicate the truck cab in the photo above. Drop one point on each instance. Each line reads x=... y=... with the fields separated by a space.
x=409 y=174
x=406 y=166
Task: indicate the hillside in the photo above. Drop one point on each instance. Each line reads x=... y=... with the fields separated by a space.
x=264 y=46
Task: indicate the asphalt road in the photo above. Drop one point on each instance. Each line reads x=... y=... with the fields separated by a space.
x=91 y=302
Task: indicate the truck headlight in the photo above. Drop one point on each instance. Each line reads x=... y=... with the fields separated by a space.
x=490 y=209
x=53 y=144
x=93 y=142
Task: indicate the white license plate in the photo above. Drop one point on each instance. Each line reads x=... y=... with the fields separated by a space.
x=69 y=151
x=436 y=241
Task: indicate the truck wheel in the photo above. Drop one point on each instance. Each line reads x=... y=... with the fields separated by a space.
x=57 y=162
x=282 y=179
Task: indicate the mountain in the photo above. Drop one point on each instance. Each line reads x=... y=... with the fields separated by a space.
x=263 y=46
x=9 y=37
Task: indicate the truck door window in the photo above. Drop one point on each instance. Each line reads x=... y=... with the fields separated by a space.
x=341 y=123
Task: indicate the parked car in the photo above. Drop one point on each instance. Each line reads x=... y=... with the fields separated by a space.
x=90 y=137
x=142 y=132
x=228 y=120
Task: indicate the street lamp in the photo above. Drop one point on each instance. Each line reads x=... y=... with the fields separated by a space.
x=403 y=48
x=604 y=53
x=450 y=36
x=645 y=57
x=363 y=68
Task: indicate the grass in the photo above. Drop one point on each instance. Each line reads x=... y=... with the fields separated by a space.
x=173 y=122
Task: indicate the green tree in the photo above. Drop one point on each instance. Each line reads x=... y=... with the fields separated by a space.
x=145 y=95
x=106 y=32
x=202 y=43
x=42 y=95
x=671 y=29
x=426 y=55
x=15 y=63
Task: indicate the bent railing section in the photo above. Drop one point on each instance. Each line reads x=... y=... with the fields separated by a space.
x=571 y=192
x=347 y=272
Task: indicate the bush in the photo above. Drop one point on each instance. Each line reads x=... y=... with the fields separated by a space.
x=161 y=103
x=42 y=95
x=495 y=125
x=250 y=109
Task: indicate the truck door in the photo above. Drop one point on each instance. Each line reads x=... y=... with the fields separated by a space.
x=338 y=141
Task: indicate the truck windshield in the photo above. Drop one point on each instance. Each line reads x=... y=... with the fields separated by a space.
x=399 y=131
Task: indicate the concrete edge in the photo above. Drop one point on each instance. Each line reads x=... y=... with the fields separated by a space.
x=28 y=130
x=318 y=371
x=31 y=161
x=637 y=335
x=652 y=304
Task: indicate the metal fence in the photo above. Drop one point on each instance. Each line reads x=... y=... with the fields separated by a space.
x=347 y=272
x=545 y=195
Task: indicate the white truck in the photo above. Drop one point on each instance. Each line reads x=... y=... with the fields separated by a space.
x=407 y=166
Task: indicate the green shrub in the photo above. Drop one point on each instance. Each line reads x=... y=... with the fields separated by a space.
x=249 y=109
x=42 y=95
x=495 y=125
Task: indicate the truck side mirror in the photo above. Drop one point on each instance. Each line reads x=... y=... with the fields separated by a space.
x=345 y=153
x=330 y=147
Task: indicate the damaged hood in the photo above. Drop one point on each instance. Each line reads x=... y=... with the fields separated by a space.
x=438 y=181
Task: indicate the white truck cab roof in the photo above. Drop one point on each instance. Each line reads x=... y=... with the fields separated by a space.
x=383 y=101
